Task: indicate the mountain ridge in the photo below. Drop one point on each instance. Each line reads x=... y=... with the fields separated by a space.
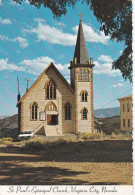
x=107 y=112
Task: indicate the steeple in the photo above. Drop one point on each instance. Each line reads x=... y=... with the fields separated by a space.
x=81 y=54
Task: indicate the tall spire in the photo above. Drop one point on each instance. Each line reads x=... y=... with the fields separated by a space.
x=81 y=53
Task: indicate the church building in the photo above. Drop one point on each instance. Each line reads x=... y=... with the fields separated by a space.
x=52 y=106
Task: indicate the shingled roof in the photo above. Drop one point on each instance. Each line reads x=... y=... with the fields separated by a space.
x=80 y=50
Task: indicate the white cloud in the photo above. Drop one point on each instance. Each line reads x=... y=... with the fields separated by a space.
x=39 y=20
x=104 y=58
x=11 y=2
x=105 y=67
x=4 y=65
x=37 y=65
x=54 y=35
x=118 y=85
x=34 y=66
x=22 y=41
x=92 y=36
x=5 y=21
x=60 y=24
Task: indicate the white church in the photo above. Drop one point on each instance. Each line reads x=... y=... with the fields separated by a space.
x=51 y=106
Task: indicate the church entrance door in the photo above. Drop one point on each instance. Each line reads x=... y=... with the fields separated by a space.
x=52 y=119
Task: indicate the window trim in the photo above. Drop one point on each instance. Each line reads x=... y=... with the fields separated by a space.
x=35 y=119
x=128 y=122
x=50 y=104
x=52 y=87
x=123 y=107
x=68 y=116
x=128 y=107
x=82 y=110
x=124 y=122
x=85 y=96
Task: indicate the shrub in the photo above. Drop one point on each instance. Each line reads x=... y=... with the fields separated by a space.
x=8 y=141
x=116 y=131
x=35 y=143
x=113 y=135
x=89 y=135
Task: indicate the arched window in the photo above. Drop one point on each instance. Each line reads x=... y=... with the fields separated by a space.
x=34 y=109
x=80 y=75
x=50 y=90
x=84 y=95
x=84 y=112
x=68 y=111
x=50 y=107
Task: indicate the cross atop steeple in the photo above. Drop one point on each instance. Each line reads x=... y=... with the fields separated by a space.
x=80 y=16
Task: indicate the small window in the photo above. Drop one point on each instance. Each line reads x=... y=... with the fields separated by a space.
x=84 y=112
x=34 y=108
x=68 y=111
x=123 y=122
x=128 y=122
x=128 y=107
x=123 y=107
x=84 y=95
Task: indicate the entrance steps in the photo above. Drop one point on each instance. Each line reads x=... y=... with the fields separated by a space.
x=52 y=130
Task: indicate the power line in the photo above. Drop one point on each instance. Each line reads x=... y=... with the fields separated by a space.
x=115 y=98
x=108 y=86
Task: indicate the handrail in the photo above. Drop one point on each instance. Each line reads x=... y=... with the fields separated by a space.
x=37 y=127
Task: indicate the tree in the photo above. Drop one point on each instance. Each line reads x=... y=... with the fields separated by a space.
x=115 y=17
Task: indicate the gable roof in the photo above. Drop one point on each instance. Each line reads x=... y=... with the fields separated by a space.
x=51 y=65
x=80 y=50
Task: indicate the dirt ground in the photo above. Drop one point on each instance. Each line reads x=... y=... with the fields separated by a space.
x=84 y=163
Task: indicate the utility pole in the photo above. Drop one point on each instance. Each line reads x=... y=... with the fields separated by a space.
x=18 y=85
x=18 y=96
x=27 y=84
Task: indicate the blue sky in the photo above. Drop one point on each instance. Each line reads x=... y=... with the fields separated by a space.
x=31 y=38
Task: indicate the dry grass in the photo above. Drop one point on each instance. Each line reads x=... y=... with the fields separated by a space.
x=88 y=159
x=40 y=143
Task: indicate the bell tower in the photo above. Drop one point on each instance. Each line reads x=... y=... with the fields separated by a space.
x=81 y=76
